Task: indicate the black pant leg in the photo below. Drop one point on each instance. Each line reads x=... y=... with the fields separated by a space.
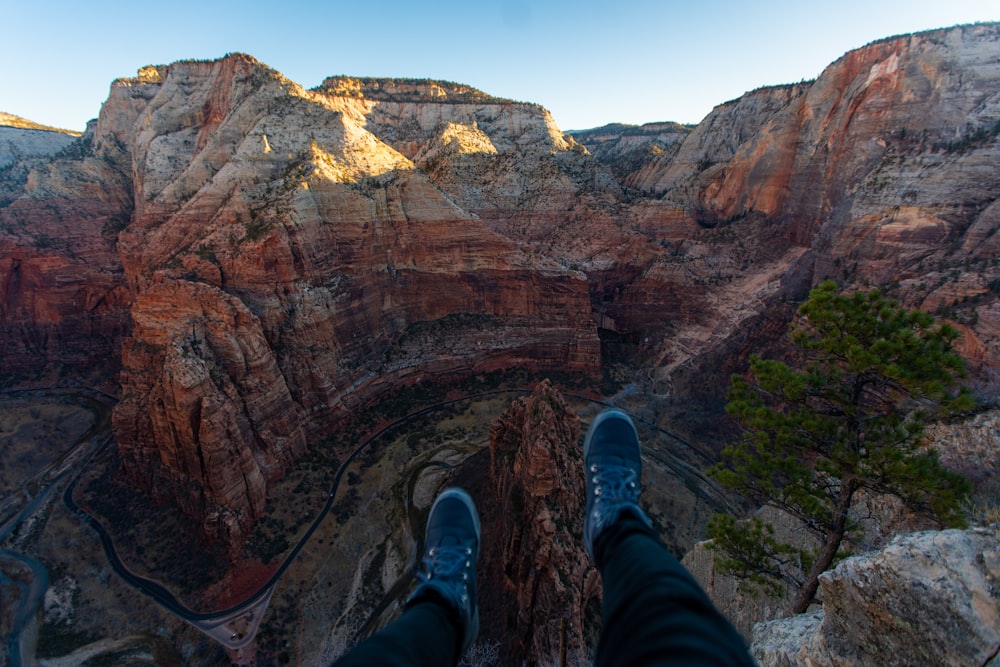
x=654 y=611
x=423 y=636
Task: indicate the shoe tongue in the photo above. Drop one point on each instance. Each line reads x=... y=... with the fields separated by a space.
x=449 y=541
x=611 y=460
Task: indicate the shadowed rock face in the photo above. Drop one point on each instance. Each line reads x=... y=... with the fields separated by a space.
x=536 y=471
x=259 y=258
x=64 y=307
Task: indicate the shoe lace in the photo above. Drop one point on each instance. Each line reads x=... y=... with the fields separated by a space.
x=445 y=562
x=614 y=483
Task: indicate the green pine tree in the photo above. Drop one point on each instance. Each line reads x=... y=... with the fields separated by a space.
x=847 y=418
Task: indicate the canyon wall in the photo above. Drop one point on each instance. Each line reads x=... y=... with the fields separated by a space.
x=259 y=259
x=64 y=311
x=280 y=265
x=879 y=172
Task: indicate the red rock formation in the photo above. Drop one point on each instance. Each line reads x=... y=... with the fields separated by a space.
x=65 y=307
x=285 y=262
x=205 y=420
x=290 y=254
x=876 y=173
x=536 y=470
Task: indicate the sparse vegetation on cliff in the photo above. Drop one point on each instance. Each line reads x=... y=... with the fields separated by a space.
x=408 y=90
x=10 y=120
x=846 y=419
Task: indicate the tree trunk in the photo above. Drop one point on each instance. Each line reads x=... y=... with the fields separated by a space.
x=824 y=559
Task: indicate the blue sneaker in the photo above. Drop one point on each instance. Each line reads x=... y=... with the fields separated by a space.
x=451 y=549
x=613 y=465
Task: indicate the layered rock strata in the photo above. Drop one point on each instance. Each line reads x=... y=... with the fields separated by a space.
x=536 y=474
x=64 y=310
x=287 y=265
x=272 y=256
x=878 y=172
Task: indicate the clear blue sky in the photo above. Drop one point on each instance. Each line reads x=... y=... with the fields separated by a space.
x=589 y=63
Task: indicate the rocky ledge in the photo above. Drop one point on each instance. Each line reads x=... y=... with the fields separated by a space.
x=927 y=598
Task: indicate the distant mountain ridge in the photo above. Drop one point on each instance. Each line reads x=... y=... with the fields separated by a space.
x=245 y=261
x=22 y=138
x=10 y=120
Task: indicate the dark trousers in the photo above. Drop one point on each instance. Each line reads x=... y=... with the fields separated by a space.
x=425 y=634
x=654 y=613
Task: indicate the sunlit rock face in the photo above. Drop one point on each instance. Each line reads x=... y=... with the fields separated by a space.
x=21 y=138
x=880 y=172
x=282 y=263
x=258 y=258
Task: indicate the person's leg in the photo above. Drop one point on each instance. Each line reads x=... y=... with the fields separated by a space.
x=441 y=619
x=654 y=612
x=425 y=634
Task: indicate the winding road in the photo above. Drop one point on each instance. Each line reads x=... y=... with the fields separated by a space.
x=236 y=626
x=47 y=479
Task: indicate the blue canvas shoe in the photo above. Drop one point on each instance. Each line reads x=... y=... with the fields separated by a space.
x=448 y=569
x=613 y=465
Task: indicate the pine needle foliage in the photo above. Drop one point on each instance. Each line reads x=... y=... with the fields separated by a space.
x=849 y=417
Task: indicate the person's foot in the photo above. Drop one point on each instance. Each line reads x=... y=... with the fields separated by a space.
x=448 y=570
x=613 y=466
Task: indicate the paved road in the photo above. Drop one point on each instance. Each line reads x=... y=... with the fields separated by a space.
x=237 y=626
x=47 y=479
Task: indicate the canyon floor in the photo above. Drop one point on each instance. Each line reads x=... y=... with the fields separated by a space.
x=359 y=558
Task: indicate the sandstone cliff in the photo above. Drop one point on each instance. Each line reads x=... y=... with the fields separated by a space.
x=278 y=263
x=337 y=252
x=506 y=163
x=544 y=573
x=877 y=173
x=64 y=310
x=21 y=138
x=926 y=599
x=260 y=258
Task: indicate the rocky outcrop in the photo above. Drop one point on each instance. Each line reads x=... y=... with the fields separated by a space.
x=208 y=389
x=262 y=251
x=21 y=138
x=506 y=163
x=536 y=474
x=876 y=519
x=289 y=265
x=927 y=598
